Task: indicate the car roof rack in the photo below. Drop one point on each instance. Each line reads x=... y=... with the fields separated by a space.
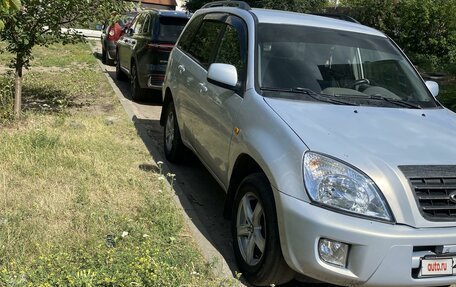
x=238 y=4
x=338 y=16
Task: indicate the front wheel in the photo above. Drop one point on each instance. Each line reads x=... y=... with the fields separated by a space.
x=107 y=60
x=103 y=55
x=172 y=142
x=255 y=234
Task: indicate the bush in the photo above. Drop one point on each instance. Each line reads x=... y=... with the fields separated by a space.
x=289 y=5
x=425 y=29
x=6 y=98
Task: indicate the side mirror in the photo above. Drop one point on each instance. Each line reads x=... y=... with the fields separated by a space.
x=433 y=88
x=223 y=75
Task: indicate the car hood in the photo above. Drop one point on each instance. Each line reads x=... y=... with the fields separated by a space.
x=374 y=139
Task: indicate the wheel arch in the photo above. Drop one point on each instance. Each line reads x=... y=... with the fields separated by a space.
x=244 y=166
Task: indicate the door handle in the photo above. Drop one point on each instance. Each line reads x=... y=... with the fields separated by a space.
x=203 y=88
x=181 y=69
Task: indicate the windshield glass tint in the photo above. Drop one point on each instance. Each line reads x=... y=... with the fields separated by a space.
x=171 y=28
x=358 y=67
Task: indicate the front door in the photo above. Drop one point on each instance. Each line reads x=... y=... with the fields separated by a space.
x=217 y=107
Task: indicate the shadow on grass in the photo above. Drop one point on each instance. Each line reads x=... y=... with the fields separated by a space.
x=48 y=99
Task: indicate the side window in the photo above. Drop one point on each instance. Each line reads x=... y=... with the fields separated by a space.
x=133 y=23
x=202 y=47
x=139 y=24
x=230 y=50
x=189 y=33
x=146 y=26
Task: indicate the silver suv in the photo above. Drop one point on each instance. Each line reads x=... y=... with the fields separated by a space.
x=338 y=162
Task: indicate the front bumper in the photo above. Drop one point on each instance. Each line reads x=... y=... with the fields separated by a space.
x=380 y=254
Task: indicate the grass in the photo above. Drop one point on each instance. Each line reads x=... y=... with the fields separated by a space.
x=77 y=206
x=57 y=56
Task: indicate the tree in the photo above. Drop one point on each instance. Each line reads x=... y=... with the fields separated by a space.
x=289 y=5
x=425 y=29
x=39 y=22
x=6 y=6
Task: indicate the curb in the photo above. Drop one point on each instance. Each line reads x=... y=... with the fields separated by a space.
x=219 y=265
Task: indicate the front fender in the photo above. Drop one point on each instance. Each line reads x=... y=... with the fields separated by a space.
x=266 y=138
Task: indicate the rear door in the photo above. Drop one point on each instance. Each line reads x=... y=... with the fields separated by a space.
x=126 y=43
x=192 y=68
x=141 y=52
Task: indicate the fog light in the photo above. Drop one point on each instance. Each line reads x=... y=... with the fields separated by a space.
x=333 y=252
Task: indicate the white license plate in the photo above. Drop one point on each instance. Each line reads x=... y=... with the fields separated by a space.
x=437 y=267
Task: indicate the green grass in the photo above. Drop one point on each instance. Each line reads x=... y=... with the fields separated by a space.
x=77 y=208
x=57 y=55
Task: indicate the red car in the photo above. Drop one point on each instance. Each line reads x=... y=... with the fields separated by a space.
x=111 y=34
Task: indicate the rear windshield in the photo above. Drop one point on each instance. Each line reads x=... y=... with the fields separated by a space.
x=171 y=28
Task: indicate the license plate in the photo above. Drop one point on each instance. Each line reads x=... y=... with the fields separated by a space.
x=437 y=267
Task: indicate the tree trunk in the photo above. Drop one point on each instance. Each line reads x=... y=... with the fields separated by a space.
x=18 y=91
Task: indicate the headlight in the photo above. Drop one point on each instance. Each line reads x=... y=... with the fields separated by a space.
x=337 y=185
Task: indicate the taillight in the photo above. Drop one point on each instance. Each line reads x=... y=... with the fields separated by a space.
x=161 y=47
x=112 y=34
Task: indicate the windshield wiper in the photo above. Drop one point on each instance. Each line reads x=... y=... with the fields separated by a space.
x=314 y=95
x=394 y=101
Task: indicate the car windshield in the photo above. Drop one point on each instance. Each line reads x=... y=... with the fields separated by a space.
x=171 y=28
x=357 y=68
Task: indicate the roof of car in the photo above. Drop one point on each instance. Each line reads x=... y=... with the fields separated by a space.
x=292 y=18
x=170 y=13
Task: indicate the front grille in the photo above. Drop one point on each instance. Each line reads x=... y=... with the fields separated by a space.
x=433 y=187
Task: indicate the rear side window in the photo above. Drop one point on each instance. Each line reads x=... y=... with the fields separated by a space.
x=146 y=25
x=139 y=24
x=205 y=41
x=171 y=28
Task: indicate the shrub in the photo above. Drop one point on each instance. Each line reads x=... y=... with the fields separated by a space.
x=425 y=29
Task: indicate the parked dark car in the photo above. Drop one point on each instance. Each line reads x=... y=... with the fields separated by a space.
x=111 y=34
x=143 y=51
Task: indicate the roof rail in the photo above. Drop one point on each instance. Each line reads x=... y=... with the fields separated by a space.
x=238 y=4
x=338 y=16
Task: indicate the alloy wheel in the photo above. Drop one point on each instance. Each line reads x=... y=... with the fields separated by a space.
x=133 y=81
x=251 y=229
x=169 y=131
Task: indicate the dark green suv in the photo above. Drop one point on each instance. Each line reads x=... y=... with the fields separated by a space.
x=143 y=51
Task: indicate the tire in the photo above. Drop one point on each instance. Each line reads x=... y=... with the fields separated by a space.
x=120 y=75
x=172 y=143
x=107 y=60
x=103 y=55
x=137 y=93
x=256 y=240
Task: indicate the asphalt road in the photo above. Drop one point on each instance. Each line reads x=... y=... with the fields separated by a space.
x=204 y=194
